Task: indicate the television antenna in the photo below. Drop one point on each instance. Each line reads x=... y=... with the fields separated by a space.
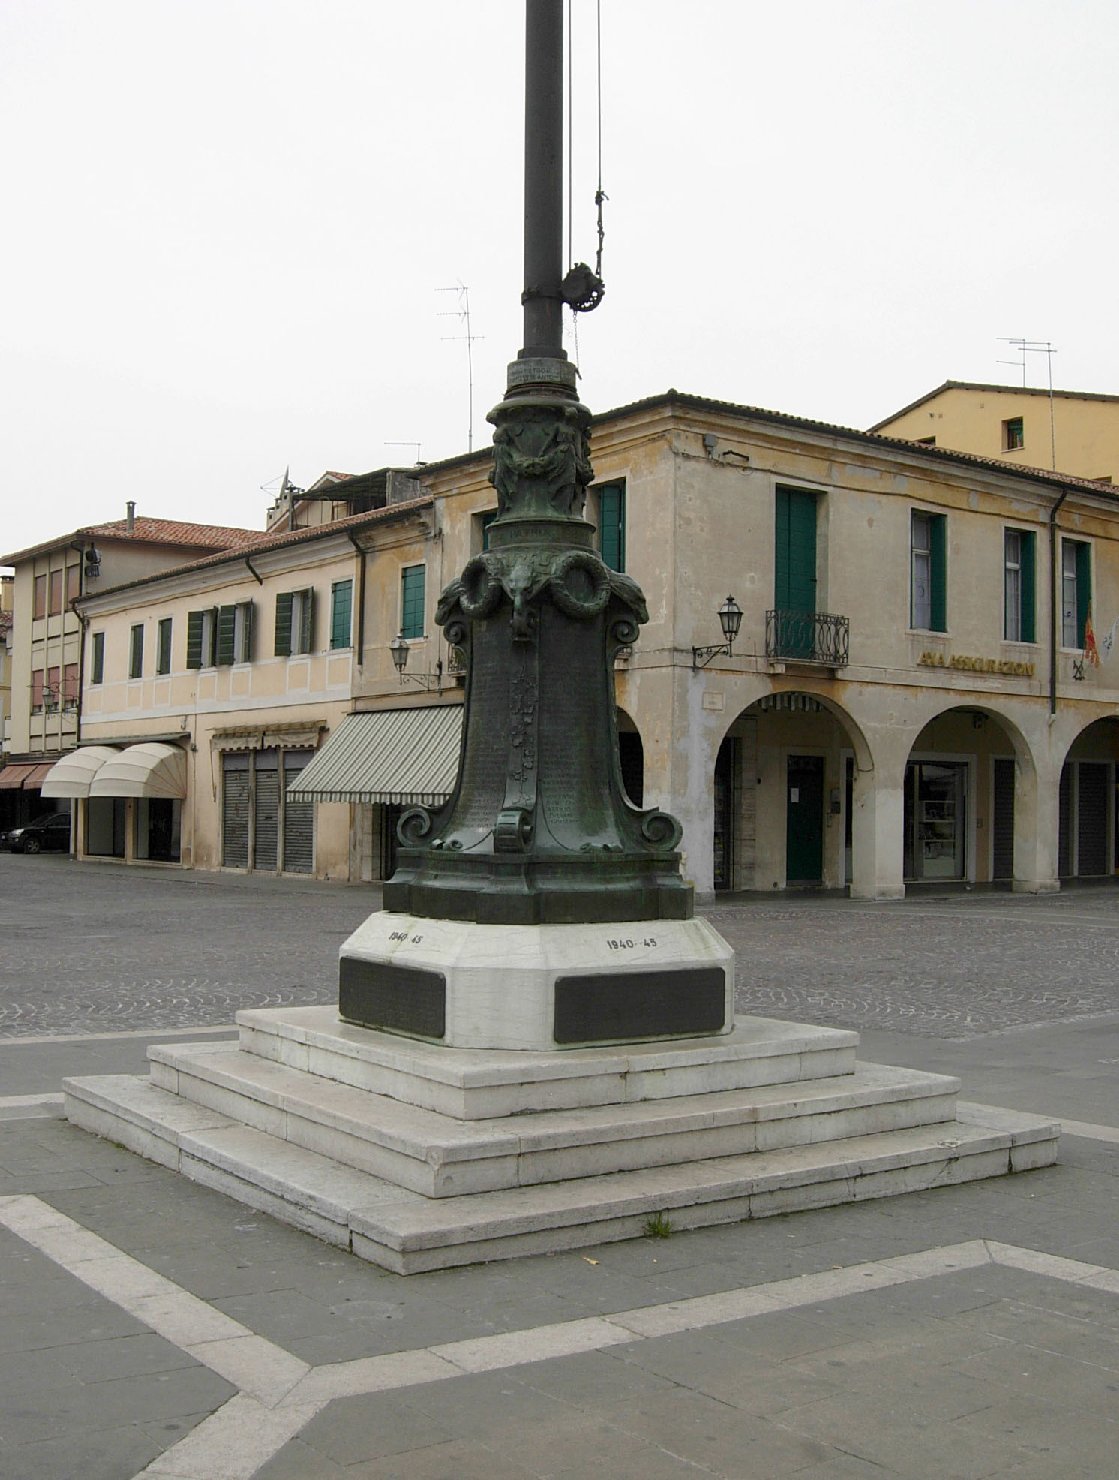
x=1036 y=347
x=462 y=313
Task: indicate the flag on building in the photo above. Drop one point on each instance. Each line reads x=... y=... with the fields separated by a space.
x=1091 y=651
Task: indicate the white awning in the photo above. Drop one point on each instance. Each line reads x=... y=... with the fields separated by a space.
x=151 y=770
x=391 y=755
x=73 y=775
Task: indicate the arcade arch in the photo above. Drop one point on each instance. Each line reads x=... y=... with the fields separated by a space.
x=970 y=788
x=1088 y=839
x=784 y=782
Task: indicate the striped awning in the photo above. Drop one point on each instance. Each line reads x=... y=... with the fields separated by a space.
x=150 y=770
x=74 y=773
x=391 y=755
x=12 y=778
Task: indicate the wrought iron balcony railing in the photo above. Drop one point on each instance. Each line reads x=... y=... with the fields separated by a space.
x=807 y=637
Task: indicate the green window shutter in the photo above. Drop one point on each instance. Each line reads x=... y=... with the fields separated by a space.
x=794 y=577
x=487 y=520
x=163 y=655
x=227 y=627
x=248 y=633
x=412 y=601
x=341 y=604
x=283 y=623
x=612 y=525
x=98 y=675
x=1029 y=585
x=136 y=655
x=307 y=620
x=194 y=639
x=938 y=533
x=1083 y=589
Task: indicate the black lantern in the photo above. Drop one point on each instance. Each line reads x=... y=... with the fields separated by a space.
x=730 y=620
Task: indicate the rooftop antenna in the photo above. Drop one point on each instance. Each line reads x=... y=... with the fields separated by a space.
x=462 y=313
x=416 y=445
x=1036 y=347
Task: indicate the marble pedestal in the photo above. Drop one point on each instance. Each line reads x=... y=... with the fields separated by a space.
x=419 y=1155
x=542 y=987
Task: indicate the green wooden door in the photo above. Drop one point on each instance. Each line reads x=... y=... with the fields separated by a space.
x=794 y=582
x=804 y=824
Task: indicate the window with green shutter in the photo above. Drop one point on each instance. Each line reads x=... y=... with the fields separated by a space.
x=412 y=601
x=136 y=651
x=612 y=525
x=284 y=600
x=227 y=629
x=1076 y=591
x=163 y=646
x=201 y=637
x=794 y=582
x=341 y=613
x=97 y=665
x=1019 y=585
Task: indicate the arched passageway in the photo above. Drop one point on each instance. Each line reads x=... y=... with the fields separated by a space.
x=1088 y=838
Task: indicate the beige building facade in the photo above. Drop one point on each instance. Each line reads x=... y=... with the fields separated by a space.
x=1077 y=432
x=46 y=644
x=911 y=698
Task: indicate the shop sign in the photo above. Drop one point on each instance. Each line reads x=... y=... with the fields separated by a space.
x=977 y=665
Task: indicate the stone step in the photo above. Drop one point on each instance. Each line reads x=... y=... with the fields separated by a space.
x=438 y=1156
x=477 y=1084
x=407 y=1233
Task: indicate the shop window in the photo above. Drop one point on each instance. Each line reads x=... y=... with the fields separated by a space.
x=928 y=572
x=612 y=524
x=1019 y=585
x=412 y=582
x=1076 y=591
x=341 y=614
x=295 y=622
x=136 y=651
x=97 y=659
x=202 y=633
x=234 y=642
x=158 y=822
x=55 y=593
x=163 y=646
x=935 y=833
x=1013 y=434
x=104 y=827
x=39 y=597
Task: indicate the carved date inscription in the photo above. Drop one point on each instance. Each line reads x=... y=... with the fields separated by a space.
x=395 y=998
x=609 y=1007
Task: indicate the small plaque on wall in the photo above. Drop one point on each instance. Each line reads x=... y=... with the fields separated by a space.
x=622 y=1007
x=394 y=998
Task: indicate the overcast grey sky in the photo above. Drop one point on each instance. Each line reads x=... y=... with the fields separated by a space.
x=226 y=222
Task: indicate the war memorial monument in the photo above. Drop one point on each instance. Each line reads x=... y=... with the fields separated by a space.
x=535 y=1045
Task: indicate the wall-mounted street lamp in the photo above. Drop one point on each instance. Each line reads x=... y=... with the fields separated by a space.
x=730 y=620
x=398 y=647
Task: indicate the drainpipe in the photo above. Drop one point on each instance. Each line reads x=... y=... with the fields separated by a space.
x=1053 y=512
x=359 y=641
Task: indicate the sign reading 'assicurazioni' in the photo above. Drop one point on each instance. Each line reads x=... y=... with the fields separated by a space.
x=962 y=664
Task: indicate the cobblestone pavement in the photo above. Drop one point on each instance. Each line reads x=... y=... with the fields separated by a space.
x=101 y=948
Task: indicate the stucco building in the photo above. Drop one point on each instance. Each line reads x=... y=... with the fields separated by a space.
x=911 y=697
x=47 y=649
x=1076 y=431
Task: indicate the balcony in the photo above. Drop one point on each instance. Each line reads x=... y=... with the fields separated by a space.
x=807 y=637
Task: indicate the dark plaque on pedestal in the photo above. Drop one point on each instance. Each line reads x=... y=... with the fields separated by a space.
x=625 y=1006
x=397 y=999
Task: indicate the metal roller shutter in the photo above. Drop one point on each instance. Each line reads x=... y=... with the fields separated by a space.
x=299 y=819
x=1002 y=821
x=235 y=793
x=1091 y=818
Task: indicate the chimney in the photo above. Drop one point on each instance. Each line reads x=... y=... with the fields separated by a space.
x=131 y=507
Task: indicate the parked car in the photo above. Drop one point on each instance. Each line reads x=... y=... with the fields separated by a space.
x=49 y=833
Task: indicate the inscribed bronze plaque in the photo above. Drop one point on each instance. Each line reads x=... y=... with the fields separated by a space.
x=609 y=1007
x=397 y=999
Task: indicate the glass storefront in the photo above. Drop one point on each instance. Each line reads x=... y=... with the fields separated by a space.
x=158 y=823
x=935 y=820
